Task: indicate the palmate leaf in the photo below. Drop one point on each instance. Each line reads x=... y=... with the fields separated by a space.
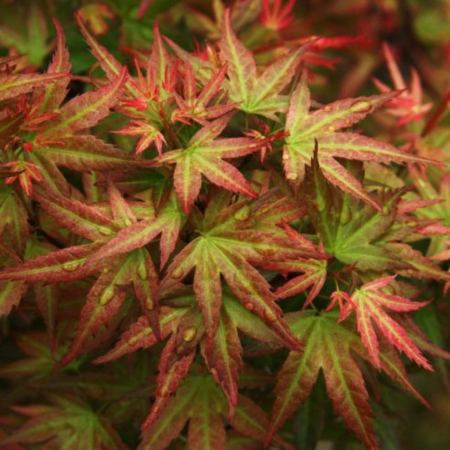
x=121 y=261
x=223 y=356
x=329 y=346
x=131 y=265
x=196 y=106
x=40 y=357
x=354 y=232
x=314 y=271
x=141 y=335
x=256 y=95
x=54 y=143
x=200 y=401
x=111 y=237
x=229 y=245
x=67 y=422
x=168 y=222
x=368 y=302
x=419 y=266
x=321 y=128
x=204 y=155
x=203 y=69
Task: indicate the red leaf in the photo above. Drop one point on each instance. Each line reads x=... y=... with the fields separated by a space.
x=369 y=302
x=88 y=109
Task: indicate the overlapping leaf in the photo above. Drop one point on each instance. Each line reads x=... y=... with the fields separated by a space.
x=223 y=356
x=369 y=302
x=204 y=155
x=66 y=422
x=229 y=245
x=329 y=346
x=201 y=402
x=354 y=232
x=314 y=271
x=256 y=94
x=134 y=264
x=83 y=246
x=322 y=126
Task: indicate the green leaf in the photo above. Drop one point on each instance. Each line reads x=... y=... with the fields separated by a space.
x=69 y=423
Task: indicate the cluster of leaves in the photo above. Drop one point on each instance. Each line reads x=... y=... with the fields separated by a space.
x=193 y=228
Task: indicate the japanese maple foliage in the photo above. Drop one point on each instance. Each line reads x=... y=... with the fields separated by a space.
x=193 y=245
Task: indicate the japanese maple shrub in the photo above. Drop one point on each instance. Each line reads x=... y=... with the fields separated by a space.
x=202 y=239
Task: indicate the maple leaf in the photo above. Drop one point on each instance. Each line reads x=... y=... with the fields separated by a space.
x=307 y=130
x=30 y=114
x=256 y=94
x=146 y=100
x=87 y=221
x=204 y=155
x=46 y=132
x=329 y=346
x=168 y=222
x=276 y=17
x=64 y=422
x=436 y=206
x=314 y=271
x=205 y=63
x=200 y=401
x=62 y=265
x=57 y=143
x=197 y=108
x=223 y=356
x=420 y=266
x=368 y=302
x=350 y=229
x=144 y=93
x=408 y=106
x=25 y=172
x=85 y=153
x=148 y=133
x=106 y=60
x=133 y=266
x=358 y=235
x=229 y=245
x=40 y=359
